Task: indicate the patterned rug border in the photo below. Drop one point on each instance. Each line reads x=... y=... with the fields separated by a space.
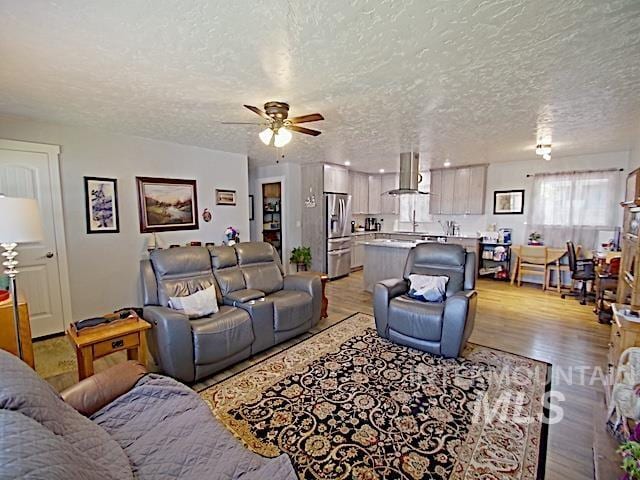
x=544 y=430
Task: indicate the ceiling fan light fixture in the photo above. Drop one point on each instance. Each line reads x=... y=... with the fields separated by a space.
x=283 y=136
x=547 y=157
x=265 y=135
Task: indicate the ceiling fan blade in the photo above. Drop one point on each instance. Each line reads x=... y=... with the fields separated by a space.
x=257 y=111
x=241 y=123
x=307 y=131
x=312 y=117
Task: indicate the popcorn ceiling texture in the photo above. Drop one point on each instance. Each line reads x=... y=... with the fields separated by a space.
x=472 y=80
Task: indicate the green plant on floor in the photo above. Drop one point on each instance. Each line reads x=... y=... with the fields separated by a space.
x=301 y=256
x=630 y=451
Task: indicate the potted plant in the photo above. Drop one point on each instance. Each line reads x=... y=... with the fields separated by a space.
x=535 y=238
x=301 y=256
x=630 y=451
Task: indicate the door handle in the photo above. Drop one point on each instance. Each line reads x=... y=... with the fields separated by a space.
x=49 y=254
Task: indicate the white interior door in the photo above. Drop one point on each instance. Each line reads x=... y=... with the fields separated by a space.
x=42 y=279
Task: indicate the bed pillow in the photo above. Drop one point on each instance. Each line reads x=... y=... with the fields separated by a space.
x=428 y=288
x=196 y=305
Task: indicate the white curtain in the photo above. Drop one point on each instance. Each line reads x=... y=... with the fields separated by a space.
x=574 y=206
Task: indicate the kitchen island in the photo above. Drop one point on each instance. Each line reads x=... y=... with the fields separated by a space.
x=385 y=258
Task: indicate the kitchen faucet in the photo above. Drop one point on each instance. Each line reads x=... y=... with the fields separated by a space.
x=451 y=228
x=414 y=224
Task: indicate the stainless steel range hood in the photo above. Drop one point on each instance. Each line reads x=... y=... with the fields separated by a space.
x=409 y=175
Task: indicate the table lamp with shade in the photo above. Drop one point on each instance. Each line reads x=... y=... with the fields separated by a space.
x=20 y=223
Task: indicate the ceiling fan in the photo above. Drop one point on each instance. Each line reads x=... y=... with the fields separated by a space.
x=279 y=126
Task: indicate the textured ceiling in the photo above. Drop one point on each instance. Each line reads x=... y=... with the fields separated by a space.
x=473 y=81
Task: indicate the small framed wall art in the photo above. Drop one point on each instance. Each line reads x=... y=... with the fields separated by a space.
x=225 y=197
x=101 y=205
x=166 y=204
x=508 y=202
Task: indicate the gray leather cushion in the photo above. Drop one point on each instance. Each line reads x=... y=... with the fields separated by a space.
x=223 y=256
x=438 y=259
x=229 y=280
x=265 y=277
x=221 y=335
x=43 y=437
x=254 y=252
x=416 y=319
x=291 y=309
x=181 y=271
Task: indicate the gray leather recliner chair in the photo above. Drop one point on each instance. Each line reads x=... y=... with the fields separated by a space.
x=437 y=328
x=190 y=349
x=251 y=277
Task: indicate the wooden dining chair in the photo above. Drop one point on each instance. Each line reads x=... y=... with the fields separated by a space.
x=554 y=265
x=532 y=261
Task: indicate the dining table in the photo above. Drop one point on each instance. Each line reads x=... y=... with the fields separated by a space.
x=554 y=254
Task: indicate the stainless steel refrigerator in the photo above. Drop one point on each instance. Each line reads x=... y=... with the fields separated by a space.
x=338 y=208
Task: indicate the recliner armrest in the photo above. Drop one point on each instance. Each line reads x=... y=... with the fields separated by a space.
x=309 y=283
x=171 y=332
x=459 y=317
x=243 y=296
x=98 y=390
x=383 y=292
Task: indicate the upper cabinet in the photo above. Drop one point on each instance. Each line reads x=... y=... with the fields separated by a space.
x=458 y=191
x=375 y=190
x=336 y=179
x=389 y=204
x=359 y=192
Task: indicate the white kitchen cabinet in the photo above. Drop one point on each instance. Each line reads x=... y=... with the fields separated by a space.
x=375 y=190
x=477 y=189
x=336 y=179
x=435 y=189
x=458 y=191
x=359 y=192
x=390 y=204
x=446 y=192
x=461 y=191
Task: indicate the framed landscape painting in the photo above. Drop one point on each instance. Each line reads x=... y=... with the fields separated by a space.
x=508 y=202
x=167 y=204
x=101 y=205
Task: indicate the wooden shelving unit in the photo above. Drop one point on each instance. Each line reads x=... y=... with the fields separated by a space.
x=272 y=215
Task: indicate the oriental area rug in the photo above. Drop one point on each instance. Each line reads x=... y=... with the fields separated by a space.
x=348 y=404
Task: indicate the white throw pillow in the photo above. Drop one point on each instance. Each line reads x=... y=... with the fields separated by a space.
x=428 y=288
x=199 y=304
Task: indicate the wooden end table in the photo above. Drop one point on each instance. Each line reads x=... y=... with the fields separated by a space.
x=102 y=341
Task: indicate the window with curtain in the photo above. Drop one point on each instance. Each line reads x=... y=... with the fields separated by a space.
x=418 y=202
x=575 y=206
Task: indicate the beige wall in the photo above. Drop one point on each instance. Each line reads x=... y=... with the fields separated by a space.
x=103 y=269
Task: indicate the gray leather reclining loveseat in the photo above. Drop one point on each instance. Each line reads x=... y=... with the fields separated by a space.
x=259 y=306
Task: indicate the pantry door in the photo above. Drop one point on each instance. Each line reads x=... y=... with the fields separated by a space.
x=31 y=170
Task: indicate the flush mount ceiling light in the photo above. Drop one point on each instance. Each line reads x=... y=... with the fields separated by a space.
x=381 y=170
x=543 y=149
x=347 y=163
x=447 y=163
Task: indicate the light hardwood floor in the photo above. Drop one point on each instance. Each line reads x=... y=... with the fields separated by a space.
x=525 y=321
